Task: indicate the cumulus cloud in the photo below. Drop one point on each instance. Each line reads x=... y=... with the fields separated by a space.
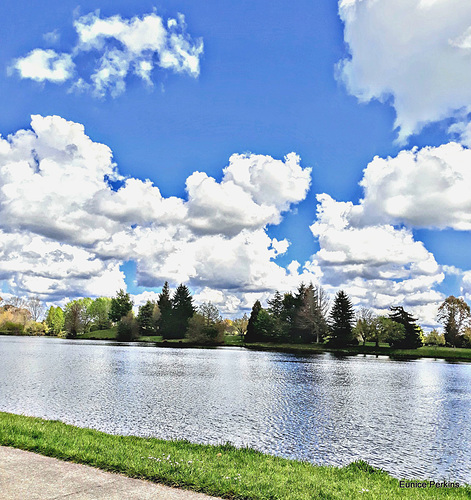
x=117 y=47
x=420 y=62
x=55 y=194
x=426 y=188
x=45 y=65
x=378 y=264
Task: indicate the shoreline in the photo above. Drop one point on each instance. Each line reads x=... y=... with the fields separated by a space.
x=218 y=470
x=429 y=352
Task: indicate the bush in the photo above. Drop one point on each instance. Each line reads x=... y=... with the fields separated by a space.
x=35 y=328
x=200 y=331
x=128 y=328
x=13 y=328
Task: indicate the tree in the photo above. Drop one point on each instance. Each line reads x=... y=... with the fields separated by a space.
x=87 y=313
x=182 y=311
x=412 y=338
x=387 y=330
x=264 y=325
x=435 y=338
x=55 y=320
x=276 y=305
x=240 y=325
x=100 y=312
x=206 y=326
x=35 y=307
x=310 y=318
x=147 y=318
x=209 y=312
x=128 y=328
x=252 y=334
x=366 y=326
x=165 y=307
x=454 y=314
x=121 y=305
x=341 y=321
x=73 y=318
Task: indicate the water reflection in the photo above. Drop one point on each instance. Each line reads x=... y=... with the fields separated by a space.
x=408 y=417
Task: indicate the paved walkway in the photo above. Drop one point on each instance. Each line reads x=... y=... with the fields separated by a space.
x=28 y=476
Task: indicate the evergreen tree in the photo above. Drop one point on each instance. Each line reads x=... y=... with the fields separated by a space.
x=341 y=321
x=310 y=320
x=120 y=306
x=146 y=318
x=252 y=334
x=276 y=305
x=165 y=306
x=182 y=311
x=412 y=338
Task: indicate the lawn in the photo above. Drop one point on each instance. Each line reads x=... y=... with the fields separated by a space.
x=221 y=470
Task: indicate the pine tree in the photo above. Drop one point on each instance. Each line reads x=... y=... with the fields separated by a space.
x=341 y=320
x=145 y=318
x=165 y=305
x=182 y=311
x=252 y=334
x=412 y=338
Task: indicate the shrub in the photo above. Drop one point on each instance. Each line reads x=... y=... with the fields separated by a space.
x=128 y=328
x=15 y=328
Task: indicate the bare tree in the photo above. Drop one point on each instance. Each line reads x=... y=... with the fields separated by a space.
x=35 y=307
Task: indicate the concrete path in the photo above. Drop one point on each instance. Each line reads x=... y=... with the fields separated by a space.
x=28 y=476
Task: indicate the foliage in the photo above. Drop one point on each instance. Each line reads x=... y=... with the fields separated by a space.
x=252 y=334
x=73 y=322
x=240 y=325
x=310 y=319
x=365 y=328
x=389 y=331
x=128 y=328
x=55 y=320
x=148 y=317
x=165 y=307
x=412 y=338
x=341 y=321
x=435 y=338
x=182 y=311
x=454 y=313
x=13 y=328
x=99 y=311
x=206 y=327
x=120 y=306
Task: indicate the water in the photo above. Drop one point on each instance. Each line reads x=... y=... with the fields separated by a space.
x=410 y=418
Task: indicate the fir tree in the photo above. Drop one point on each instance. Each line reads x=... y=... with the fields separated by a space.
x=182 y=311
x=412 y=338
x=165 y=305
x=252 y=334
x=341 y=320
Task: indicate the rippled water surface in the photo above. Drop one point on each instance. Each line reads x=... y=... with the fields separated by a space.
x=411 y=418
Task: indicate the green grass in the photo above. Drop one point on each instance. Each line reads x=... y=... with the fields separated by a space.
x=449 y=353
x=109 y=334
x=216 y=470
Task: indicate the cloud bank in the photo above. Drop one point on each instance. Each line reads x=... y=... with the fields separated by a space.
x=116 y=47
x=415 y=54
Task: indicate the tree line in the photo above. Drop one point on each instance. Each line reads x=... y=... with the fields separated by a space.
x=307 y=315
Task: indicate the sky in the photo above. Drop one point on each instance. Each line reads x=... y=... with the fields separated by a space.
x=239 y=148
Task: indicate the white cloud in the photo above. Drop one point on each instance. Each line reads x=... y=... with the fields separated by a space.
x=421 y=57
x=428 y=188
x=117 y=47
x=45 y=65
x=377 y=264
x=54 y=192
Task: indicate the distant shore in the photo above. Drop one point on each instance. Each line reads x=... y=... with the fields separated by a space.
x=221 y=470
x=434 y=352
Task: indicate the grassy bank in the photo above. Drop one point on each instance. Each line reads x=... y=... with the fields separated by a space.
x=217 y=470
x=449 y=353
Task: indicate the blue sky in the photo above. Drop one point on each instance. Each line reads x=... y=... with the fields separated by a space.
x=260 y=79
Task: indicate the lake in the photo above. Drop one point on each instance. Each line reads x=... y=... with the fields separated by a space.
x=411 y=418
